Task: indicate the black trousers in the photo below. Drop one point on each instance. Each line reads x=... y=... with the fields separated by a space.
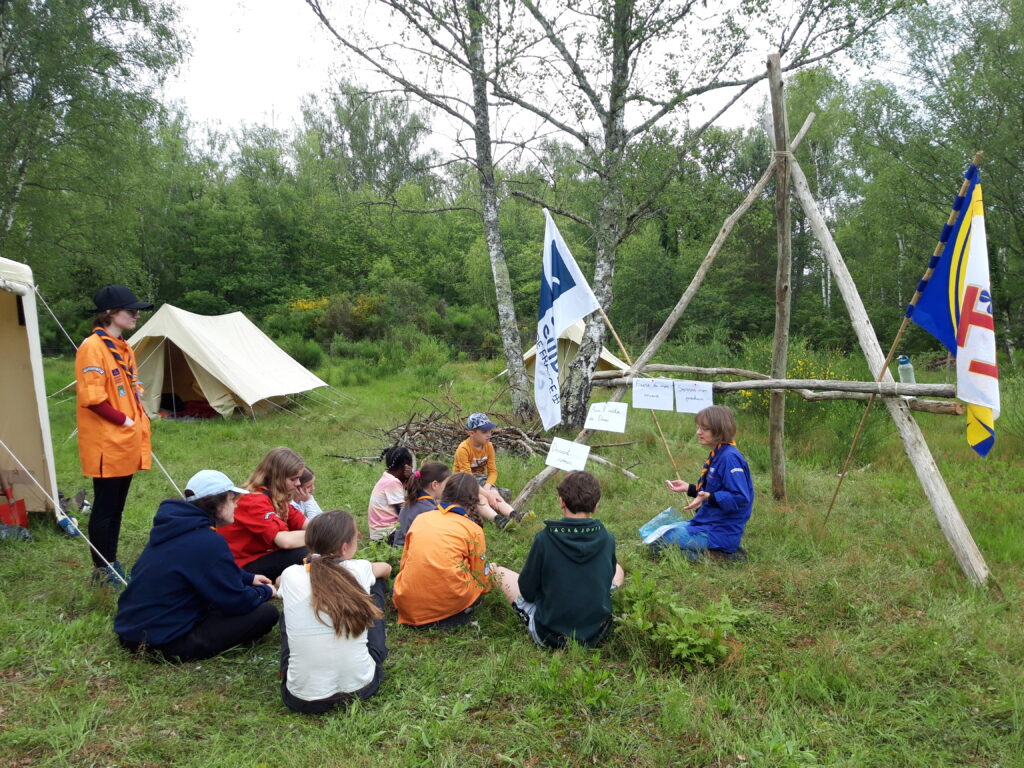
x=215 y=633
x=273 y=563
x=108 y=497
x=376 y=644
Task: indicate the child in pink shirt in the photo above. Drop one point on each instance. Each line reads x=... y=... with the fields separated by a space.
x=388 y=494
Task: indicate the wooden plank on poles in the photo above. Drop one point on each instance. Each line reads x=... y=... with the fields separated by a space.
x=783 y=295
x=952 y=524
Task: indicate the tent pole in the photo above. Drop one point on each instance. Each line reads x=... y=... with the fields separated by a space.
x=166 y=474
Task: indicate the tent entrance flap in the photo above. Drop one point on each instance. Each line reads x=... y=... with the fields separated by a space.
x=183 y=380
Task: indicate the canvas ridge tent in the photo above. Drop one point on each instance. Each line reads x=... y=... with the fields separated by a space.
x=24 y=416
x=222 y=359
x=568 y=347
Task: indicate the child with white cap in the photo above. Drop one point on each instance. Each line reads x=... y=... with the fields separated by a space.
x=187 y=599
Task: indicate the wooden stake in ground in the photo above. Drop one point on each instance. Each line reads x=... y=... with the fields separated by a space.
x=783 y=295
x=952 y=524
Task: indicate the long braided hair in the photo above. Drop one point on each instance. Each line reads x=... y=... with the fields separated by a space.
x=338 y=599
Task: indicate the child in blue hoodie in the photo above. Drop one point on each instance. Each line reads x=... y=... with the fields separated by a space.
x=187 y=599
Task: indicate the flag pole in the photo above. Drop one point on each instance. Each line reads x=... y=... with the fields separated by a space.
x=939 y=248
x=629 y=360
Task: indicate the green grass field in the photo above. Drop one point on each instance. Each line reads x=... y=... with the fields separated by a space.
x=858 y=644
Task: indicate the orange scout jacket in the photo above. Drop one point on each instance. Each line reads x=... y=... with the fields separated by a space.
x=106 y=449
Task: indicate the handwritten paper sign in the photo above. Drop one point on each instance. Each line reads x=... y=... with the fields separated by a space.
x=692 y=396
x=655 y=394
x=565 y=454
x=607 y=417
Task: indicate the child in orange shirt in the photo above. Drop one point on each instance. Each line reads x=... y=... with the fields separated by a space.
x=475 y=455
x=444 y=572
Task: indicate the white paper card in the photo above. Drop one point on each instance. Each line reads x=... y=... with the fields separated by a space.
x=655 y=394
x=692 y=396
x=565 y=454
x=607 y=417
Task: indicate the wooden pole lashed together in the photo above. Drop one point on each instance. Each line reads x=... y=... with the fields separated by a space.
x=952 y=524
x=538 y=480
x=783 y=294
x=939 y=248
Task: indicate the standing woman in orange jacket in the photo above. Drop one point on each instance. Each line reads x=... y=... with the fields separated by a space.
x=113 y=428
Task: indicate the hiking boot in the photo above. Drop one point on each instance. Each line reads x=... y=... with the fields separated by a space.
x=501 y=522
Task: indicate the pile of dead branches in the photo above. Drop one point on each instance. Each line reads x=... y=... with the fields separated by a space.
x=437 y=433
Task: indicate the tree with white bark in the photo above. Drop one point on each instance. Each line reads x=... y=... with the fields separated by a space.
x=446 y=54
x=608 y=73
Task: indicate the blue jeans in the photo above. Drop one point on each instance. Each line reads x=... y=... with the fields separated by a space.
x=693 y=545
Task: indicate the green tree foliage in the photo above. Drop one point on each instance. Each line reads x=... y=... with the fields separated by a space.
x=75 y=80
x=319 y=232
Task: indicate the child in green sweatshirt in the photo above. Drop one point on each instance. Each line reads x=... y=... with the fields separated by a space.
x=564 y=589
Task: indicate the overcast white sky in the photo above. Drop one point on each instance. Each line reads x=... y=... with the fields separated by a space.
x=253 y=60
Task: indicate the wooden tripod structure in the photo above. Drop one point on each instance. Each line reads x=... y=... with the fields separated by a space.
x=787 y=170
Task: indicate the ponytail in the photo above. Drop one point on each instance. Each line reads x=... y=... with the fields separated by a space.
x=335 y=593
x=420 y=480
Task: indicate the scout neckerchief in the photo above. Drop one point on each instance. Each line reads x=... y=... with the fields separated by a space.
x=431 y=498
x=454 y=508
x=707 y=464
x=129 y=370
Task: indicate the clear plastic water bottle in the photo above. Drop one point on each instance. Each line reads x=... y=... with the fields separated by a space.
x=905 y=370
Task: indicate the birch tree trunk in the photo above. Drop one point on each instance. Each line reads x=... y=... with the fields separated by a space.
x=609 y=224
x=519 y=385
x=449 y=38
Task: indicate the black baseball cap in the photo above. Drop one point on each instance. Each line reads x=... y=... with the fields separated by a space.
x=117 y=297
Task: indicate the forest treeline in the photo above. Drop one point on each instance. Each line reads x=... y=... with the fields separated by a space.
x=352 y=226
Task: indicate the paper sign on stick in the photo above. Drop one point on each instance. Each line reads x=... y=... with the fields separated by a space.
x=607 y=417
x=565 y=454
x=692 y=396
x=655 y=394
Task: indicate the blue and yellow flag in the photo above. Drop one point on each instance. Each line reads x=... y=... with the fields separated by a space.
x=956 y=308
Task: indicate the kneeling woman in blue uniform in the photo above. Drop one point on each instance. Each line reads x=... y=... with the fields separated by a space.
x=187 y=599
x=723 y=496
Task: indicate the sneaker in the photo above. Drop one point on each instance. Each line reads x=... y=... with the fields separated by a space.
x=521 y=514
x=109 y=576
x=718 y=556
x=656 y=547
x=501 y=522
